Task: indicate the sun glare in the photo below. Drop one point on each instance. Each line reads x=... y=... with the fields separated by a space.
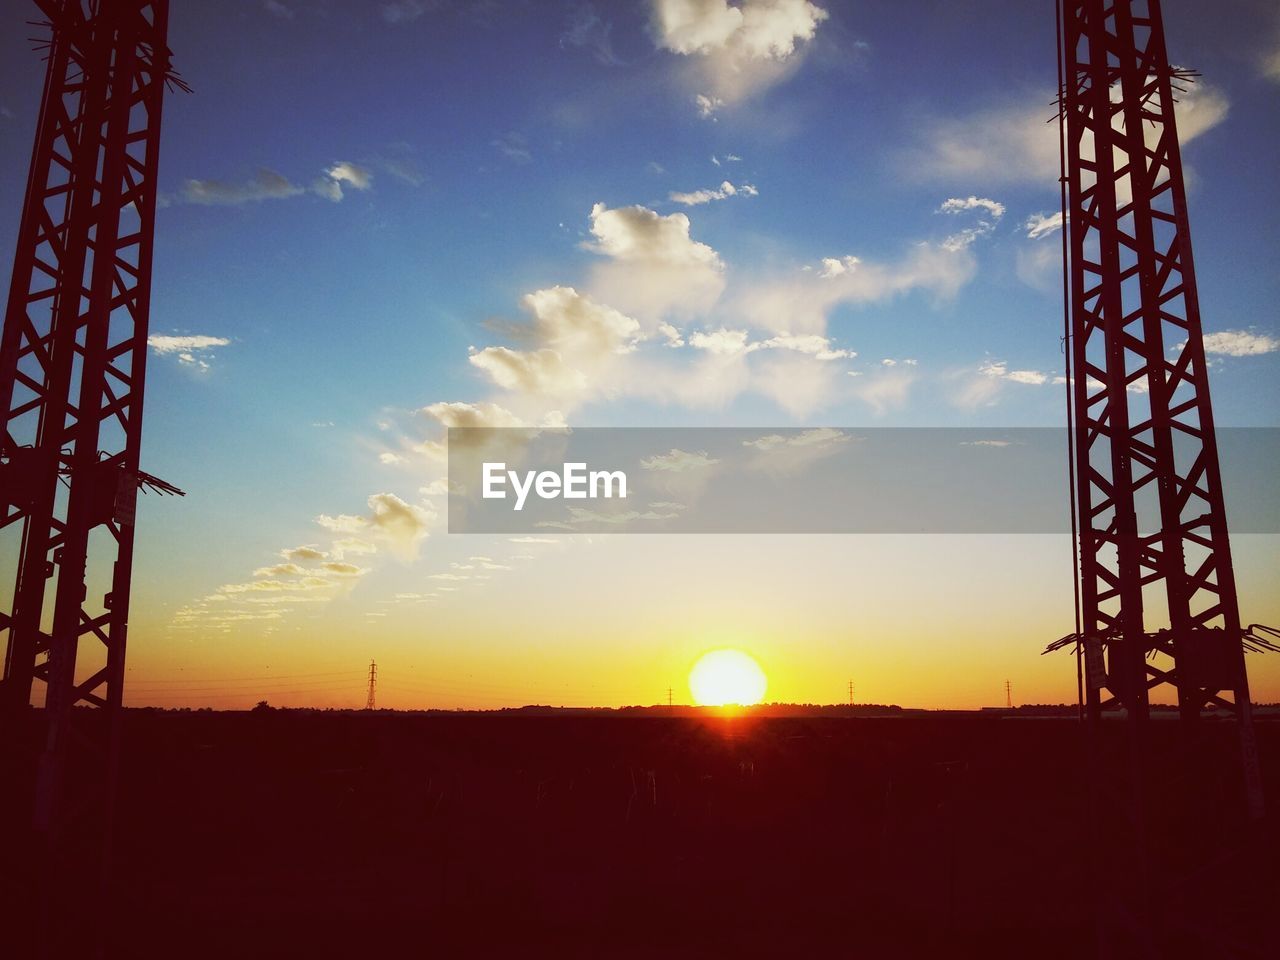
x=724 y=677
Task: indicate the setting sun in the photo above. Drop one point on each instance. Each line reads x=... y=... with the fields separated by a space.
x=724 y=677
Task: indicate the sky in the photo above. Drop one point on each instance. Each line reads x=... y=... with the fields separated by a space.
x=377 y=221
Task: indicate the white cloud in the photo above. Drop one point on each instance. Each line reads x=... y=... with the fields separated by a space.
x=280 y=570
x=1012 y=143
x=191 y=350
x=1238 y=343
x=542 y=371
x=721 y=342
x=966 y=237
x=736 y=49
x=361 y=178
x=818 y=437
x=566 y=319
x=340 y=569
x=514 y=147
x=655 y=267
x=960 y=205
x=637 y=233
x=265 y=184
x=723 y=192
x=757 y=29
x=707 y=106
x=798 y=304
x=472 y=415
x=575 y=341
x=404 y=11
x=885 y=391
x=390 y=520
x=981 y=387
x=836 y=266
x=303 y=553
x=1041 y=225
x=678 y=461
x=160 y=343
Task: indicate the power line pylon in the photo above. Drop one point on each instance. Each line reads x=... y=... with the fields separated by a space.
x=1153 y=547
x=1157 y=604
x=370 y=702
x=72 y=369
x=1008 y=695
x=851 y=693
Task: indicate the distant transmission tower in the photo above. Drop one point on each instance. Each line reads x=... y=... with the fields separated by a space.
x=1008 y=694
x=851 y=693
x=668 y=698
x=371 y=701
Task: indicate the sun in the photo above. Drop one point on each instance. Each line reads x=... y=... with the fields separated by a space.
x=724 y=677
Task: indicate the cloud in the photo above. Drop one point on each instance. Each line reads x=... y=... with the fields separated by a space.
x=406 y=11
x=758 y=29
x=350 y=173
x=818 y=437
x=160 y=343
x=1041 y=224
x=1270 y=62
x=265 y=184
x=514 y=147
x=725 y=190
x=966 y=237
x=678 y=461
x=280 y=570
x=885 y=391
x=1012 y=143
x=837 y=266
x=737 y=49
x=277 y=9
x=654 y=267
x=472 y=415
x=303 y=553
x=585 y=30
x=721 y=342
x=799 y=303
x=1238 y=343
x=981 y=387
x=568 y=320
x=725 y=342
x=958 y=205
x=638 y=234
x=707 y=106
x=392 y=521
x=576 y=342
x=341 y=569
x=543 y=372
x=191 y=350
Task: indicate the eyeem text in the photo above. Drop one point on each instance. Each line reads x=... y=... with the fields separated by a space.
x=573 y=482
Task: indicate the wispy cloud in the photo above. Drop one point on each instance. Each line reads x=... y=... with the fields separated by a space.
x=268 y=184
x=190 y=349
x=723 y=192
x=585 y=30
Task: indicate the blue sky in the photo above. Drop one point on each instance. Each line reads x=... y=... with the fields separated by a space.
x=374 y=213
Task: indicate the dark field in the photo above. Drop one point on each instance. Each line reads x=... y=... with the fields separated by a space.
x=291 y=834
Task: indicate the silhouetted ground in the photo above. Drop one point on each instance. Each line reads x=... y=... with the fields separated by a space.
x=293 y=834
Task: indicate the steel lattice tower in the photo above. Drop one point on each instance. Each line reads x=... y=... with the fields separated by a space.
x=1157 y=592
x=72 y=370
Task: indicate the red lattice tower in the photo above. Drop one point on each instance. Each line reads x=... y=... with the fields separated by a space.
x=1157 y=591
x=72 y=370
